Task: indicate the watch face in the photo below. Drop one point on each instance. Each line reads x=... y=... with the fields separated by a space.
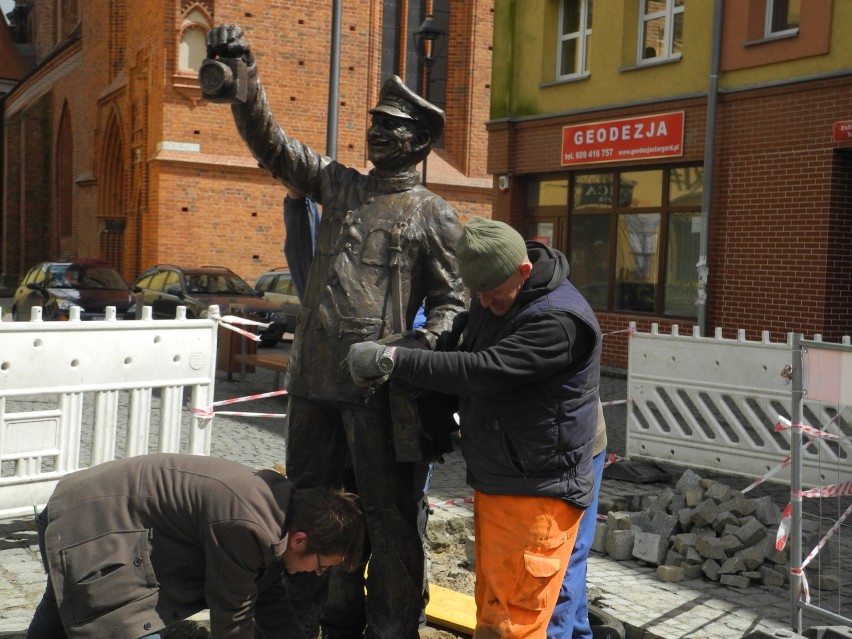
x=386 y=361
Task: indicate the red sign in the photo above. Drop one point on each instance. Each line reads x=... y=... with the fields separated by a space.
x=842 y=131
x=642 y=138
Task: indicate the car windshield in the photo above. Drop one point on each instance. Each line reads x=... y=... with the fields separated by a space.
x=217 y=284
x=79 y=276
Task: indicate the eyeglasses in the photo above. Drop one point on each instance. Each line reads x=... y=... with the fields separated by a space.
x=321 y=570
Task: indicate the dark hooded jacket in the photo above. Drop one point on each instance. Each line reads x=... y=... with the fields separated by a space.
x=528 y=386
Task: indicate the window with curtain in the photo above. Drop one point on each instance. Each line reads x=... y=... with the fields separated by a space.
x=660 y=30
x=782 y=17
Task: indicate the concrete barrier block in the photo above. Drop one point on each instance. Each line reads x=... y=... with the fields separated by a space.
x=650 y=547
x=710 y=568
x=705 y=513
x=599 y=541
x=711 y=548
x=670 y=573
x=619 y=544
x=751 y=532
x=767 y=513
x=618 y=521
x=737 y=581
x=732 y=566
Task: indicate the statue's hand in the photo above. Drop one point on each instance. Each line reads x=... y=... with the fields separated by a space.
x=227 y=41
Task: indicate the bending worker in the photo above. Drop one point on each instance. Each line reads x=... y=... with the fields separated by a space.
x=135 y=545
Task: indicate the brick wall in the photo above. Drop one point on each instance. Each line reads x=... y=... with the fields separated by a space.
x=215 y=206
x=780 y=217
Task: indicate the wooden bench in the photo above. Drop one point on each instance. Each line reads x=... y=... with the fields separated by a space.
x=272 y=361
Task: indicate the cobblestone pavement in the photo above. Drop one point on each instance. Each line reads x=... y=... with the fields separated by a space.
x=649 y=608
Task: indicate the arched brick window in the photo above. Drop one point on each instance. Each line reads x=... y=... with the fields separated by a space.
x=112 y=215
x=64 y=174
x=192 y=48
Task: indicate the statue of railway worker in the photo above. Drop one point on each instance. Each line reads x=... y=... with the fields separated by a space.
x=386 y=247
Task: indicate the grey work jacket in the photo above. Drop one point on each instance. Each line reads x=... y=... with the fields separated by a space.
x=136 y=544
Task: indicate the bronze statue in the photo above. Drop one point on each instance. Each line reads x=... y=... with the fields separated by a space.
x=386 y=246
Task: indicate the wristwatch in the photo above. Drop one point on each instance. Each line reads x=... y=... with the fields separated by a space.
x=386 y=360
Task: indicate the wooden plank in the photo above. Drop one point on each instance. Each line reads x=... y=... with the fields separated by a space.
x=273 y=361
x=451 y=609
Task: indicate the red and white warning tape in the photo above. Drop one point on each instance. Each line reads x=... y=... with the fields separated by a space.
x=627 y=330
x=230 y=321
x=783 y=464
x=785 y=424
x=806 y=592
x=611 y=459
x=835 y=490
x=207 y=413
x=451 y=502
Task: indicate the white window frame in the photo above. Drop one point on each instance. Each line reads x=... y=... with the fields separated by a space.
x=767 y=28
x=581 y=36
x=669 y=13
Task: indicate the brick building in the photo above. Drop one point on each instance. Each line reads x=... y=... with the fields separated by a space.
x=672 y=134
x=110 y=151
x=12 y=64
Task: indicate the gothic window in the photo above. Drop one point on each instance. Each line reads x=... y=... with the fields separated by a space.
x=64 y=174
x=192 y=48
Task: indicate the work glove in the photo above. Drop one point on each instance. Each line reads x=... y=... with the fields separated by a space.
x=370 y=362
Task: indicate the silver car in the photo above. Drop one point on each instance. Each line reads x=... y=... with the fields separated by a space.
x=277 y=287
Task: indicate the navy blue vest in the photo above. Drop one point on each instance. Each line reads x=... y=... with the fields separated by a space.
x=537 y=440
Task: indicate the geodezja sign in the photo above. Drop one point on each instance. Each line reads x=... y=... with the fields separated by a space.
x=640 y=138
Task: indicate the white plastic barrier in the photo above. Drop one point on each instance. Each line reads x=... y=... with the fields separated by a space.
x=709 y=402
x=75 y=394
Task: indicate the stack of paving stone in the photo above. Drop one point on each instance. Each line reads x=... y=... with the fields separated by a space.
x=699 y=529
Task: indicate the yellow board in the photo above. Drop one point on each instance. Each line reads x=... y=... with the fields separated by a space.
x=451 y=609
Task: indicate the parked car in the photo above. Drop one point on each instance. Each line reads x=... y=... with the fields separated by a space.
x=277 y=287
x=165 y=287
x=57 y=287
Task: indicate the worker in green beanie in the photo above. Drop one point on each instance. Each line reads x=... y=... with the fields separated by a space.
x=527 y=373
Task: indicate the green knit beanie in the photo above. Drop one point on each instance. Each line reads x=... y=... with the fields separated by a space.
x=489 y=253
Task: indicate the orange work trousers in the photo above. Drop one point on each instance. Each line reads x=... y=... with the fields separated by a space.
x=522 y=548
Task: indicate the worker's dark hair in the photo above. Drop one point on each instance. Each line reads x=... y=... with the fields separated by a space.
x=333 y=522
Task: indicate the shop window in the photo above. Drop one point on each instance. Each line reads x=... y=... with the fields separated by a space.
x=547 y=212
x=634 y=239
x=782 y=17
x=683 y=250
x=575 y=33
x=660 y=30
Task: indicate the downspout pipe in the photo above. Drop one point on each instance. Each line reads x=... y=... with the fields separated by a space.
x=333 y=81
x=709 y=154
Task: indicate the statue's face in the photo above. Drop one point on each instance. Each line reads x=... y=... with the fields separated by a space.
x=390 y=141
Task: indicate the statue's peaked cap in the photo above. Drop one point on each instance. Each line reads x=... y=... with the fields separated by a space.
x=399 y=101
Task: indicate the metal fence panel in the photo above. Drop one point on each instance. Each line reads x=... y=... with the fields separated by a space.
x=75 y=394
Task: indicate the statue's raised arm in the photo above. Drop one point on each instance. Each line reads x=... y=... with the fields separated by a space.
x=229 y=75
